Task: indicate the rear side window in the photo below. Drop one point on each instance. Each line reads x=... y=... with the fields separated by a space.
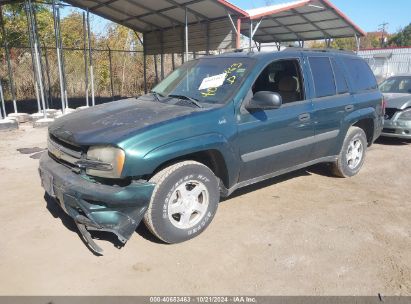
x=340 y=80
x=323 y=76
x=361 y=74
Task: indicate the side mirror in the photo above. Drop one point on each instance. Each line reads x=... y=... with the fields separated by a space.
x=264 y=100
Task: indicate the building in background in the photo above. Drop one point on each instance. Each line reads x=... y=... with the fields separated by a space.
x=387 y=62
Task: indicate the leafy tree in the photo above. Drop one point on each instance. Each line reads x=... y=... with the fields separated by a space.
x=402 y=38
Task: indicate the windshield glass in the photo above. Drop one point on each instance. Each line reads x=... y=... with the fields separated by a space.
x=210 y=80
x=396 y=85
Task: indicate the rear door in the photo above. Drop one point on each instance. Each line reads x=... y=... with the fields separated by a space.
x=331 y=103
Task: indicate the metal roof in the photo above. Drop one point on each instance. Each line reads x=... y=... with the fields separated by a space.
x=162 y=22
x=147 y=16
x=300 y=20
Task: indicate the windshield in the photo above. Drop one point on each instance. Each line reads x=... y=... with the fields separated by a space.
x=396 y=85
x=210 y=80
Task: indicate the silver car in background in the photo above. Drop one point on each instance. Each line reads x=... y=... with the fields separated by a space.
x=397 y=94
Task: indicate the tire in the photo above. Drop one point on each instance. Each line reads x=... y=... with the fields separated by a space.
x=349 y=163
x=183 y=203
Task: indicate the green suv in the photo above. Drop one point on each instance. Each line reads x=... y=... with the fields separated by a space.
x=212 y=126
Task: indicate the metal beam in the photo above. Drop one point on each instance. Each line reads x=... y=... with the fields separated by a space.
x=172 y=20
x=184 y=6
x=310 y=22
x=167 y=9
x=120 y=12
x=287 y=27
x=308 y=31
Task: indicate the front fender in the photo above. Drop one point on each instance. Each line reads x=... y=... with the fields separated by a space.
x=177 y=149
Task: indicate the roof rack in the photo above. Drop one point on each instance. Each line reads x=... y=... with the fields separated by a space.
x=327 y=50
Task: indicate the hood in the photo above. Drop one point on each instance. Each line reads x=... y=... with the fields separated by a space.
x=109 y=123
x=398 y=100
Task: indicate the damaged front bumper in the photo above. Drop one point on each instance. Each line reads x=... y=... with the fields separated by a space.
x=95 y=206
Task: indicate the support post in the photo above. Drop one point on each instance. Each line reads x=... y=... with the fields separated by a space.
x=145 y=65
x=2 y=101
x=93 y=102
x=208 y=38
x=162 y=56
x=238 y=36
x=63 y=66
x=37 y=56
x=111 y=73
x=155 y=67
x=251 y=36
x=33 y=64
x=43 y=79
x=186 y=35
x=6 y=48
x=50 y=95
x=357 y=42
x=173 y=63
x=85 y=58
x=56 y=35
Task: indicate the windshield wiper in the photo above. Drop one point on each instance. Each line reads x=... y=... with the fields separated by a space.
x=187 y=98
x=156 y=95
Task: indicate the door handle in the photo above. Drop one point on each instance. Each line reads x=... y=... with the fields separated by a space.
x=304 y=117
x=349 y=108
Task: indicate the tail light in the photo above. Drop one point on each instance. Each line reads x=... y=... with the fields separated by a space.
x=383 y=105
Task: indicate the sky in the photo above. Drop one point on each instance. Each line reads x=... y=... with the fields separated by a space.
x=367 y=14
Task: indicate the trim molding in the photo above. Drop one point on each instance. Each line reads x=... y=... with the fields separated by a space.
x=247 y=157
x=224 y=192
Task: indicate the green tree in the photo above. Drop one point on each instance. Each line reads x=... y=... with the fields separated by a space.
x=402 y=38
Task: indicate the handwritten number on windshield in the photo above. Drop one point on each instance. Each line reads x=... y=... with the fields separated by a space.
x=230 y=79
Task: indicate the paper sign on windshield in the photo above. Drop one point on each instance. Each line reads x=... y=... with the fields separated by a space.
x=213 y=81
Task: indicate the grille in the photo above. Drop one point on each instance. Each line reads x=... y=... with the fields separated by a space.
x=65 y=152
x=388 y=130
x=389 y=113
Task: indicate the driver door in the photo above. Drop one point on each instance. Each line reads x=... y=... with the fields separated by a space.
x=277 y=139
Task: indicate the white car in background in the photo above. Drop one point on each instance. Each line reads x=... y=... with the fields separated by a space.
x=397 y=119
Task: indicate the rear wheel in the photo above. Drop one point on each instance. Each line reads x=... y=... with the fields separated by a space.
x=352 y=155
x=183 y=203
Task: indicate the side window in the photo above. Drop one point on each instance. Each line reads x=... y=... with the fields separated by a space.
x=361 y=74
x=323 y=76
x=283 y=77
x=340 y=80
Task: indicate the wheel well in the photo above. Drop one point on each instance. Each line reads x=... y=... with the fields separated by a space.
x=367 y=124
x=213 y=159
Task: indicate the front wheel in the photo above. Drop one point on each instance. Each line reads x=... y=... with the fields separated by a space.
x=352 y=155
x=183 y=203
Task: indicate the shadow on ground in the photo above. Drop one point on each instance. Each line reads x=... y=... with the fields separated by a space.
x=392 y=141
x=319 y=169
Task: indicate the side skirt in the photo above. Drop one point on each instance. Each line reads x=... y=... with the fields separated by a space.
x=226 y=192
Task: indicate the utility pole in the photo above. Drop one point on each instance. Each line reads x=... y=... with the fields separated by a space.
x=382 y=28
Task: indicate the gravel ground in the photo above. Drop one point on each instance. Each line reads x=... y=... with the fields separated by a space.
x=304 y=233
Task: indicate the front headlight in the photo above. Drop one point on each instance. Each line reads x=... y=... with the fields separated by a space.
x=108 y=161
x=405 y=115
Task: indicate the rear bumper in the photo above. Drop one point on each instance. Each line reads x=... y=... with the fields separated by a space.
x=96 y=206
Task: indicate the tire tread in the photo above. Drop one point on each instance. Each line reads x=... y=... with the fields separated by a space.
x=158 y=179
